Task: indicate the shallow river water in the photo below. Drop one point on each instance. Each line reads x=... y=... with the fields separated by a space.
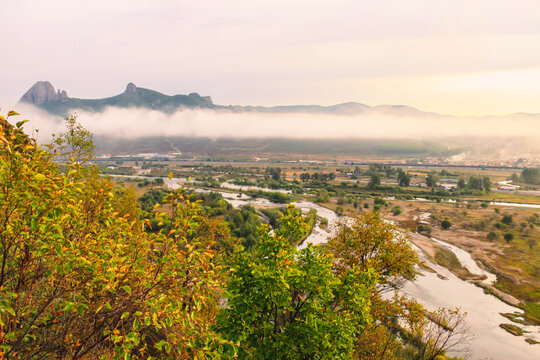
x=483 y=311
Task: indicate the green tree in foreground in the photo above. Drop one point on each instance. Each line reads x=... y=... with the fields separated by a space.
x=288 y=304
x=401 y=328
x=75 y=143
x=368 y=242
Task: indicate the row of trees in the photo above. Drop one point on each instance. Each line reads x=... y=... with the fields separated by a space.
x=317 y=176
x=273 y=172
x=527 y=176
x=403 y=178
x=476 y=183
x=473 y=183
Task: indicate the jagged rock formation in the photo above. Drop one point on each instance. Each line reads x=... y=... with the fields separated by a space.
x=206 y=99
x=43 y=92
x=43 y=95
x=130 y=88
x=62 y=94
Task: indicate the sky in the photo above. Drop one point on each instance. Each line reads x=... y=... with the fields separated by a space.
x=453 y=57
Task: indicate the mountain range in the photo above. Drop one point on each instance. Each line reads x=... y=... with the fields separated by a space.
x=43 y=94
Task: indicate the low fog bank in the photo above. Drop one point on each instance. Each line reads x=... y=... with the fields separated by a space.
x=134 y=123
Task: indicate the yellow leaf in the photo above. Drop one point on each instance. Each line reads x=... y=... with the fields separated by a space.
x=40 y=177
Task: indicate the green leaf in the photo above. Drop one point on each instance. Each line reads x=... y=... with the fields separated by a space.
x=160 y=344
x=10 y=335
x=20 y=123
x=127 y=289
x=124 y=315
x=12 y=113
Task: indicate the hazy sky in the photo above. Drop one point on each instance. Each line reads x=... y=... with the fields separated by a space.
x=467 y=57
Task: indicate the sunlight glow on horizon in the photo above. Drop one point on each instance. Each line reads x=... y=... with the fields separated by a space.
x=459 y=58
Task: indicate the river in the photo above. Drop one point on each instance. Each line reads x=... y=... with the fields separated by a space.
x=483 y=313
x=483 y=310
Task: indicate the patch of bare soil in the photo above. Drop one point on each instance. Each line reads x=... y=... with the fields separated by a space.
x=489 y=254
x=427 y=246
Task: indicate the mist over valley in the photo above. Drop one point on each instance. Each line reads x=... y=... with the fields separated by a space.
x=138 y=120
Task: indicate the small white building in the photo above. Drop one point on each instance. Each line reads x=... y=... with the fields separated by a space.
x=448 y=184
x=507 y=185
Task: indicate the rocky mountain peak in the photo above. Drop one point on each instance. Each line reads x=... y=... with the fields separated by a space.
x=61 y=94
x=43 y=92
x=130 y=88
x=207 y=99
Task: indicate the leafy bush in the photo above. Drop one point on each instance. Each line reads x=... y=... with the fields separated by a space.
x=507 y=219
x=445 y=224
x=324 y=223
x=508 y=237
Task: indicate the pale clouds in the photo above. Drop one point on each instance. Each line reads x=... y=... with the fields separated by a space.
x=281 y=52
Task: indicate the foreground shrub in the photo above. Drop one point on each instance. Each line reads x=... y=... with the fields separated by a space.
x=78 y=276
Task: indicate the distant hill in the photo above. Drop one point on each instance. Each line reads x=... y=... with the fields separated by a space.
x=43 y=95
